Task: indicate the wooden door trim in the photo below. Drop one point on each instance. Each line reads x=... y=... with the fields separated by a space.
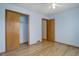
x=6 y=10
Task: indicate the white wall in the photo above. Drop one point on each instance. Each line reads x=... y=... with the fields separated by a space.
x=23 y=29
x=67 y=27
x=35 y=26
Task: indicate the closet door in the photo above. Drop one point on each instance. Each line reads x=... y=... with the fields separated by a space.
x=51 y=30
x=12 y=30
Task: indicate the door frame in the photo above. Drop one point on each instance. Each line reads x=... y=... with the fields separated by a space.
x=6 y=10
x=47 y=28
x=44 y=19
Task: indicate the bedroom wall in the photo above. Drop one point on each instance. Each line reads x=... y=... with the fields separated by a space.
x=67 y=27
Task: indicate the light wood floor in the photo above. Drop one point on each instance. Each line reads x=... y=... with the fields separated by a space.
x=45 y=48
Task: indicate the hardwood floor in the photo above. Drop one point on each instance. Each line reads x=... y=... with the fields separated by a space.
x=45 y=48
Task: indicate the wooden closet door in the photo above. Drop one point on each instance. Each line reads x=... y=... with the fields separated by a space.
x=12 y=30
x=51 y=30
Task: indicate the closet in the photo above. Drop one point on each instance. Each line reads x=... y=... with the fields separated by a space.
x=23 y=29
x=16 y=30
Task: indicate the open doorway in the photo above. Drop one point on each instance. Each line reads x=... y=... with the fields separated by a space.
x=48 y=29
x=23 y=30
x=44 y=29
x=17 y=30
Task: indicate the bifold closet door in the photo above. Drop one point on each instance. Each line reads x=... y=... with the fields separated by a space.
x=51 y=30
x=12 y=30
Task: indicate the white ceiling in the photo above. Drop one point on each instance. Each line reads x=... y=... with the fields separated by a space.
x=44 y=7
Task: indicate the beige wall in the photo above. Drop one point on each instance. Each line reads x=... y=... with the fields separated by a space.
x=44 y=29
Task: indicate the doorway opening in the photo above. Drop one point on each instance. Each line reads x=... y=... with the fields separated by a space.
x=23 y=30
x=44 y=29
x=48 y=29
x=16 y=29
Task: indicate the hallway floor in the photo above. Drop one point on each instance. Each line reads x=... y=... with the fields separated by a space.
x=45 y=48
